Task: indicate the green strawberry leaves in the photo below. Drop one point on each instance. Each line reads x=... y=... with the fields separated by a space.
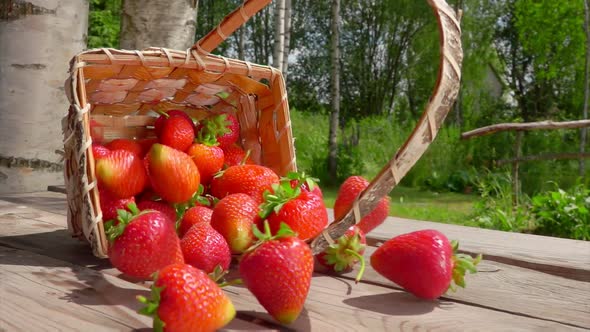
x=462 y=263
x=274 y=201
x=151 y=307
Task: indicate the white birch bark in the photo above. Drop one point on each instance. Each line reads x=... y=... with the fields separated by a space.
x=279 y=42
x=286 y=48
x=37 y=40
x=158 y=23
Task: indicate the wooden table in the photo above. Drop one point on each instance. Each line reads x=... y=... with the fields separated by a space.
x=49 y=281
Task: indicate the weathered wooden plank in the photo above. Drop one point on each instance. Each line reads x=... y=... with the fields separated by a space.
x=563 y=257
x=513 y=289
x=336 y=304
x=41 y=293
x=333 y=302
x=43 y=200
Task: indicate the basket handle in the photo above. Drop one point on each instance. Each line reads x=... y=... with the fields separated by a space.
x=439 y=105
x=232 y=22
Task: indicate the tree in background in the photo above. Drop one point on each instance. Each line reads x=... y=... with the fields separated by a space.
x=334 y=91
x=158 y=23
x=37 y=41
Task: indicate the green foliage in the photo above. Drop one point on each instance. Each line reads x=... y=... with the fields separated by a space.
x=563 y=213
x=104 y=23
x=495 y=208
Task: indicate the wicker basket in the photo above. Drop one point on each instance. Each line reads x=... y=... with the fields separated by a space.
x=114 y=93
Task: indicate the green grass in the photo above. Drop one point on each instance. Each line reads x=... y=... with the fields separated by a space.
x=411 y=203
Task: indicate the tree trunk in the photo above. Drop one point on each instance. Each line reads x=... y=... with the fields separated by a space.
x=158 y=23
x=279 y=42
x=586 y=85
x=288 y=14
x=37 y=40
x=335 y=92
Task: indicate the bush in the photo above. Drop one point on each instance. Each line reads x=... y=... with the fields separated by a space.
x=563 y=213
x=495 y=209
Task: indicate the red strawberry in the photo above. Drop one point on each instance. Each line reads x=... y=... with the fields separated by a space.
x=423 y=262
x=167 y=114
x=223 y=128
x=235 y=155
x=126 y=144
x=248 y=179
x=233 y=217
x=99 y=151
x=345 y=252
x=278 y=272
x=166 y=209
x=177 y=132
x=184 y=298
x=143 y=243
x=209 y=160
x=204 y=248
x=122 y=173
x=348 y=192
x=109 y=204
x=172 y=173
x=146 y=145
x=304 y=212
x=193 y=216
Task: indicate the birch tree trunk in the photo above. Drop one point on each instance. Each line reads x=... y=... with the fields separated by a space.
x=158 y=23
x=37 y=40
x=335 y=91
x=586 y=85
x=279 y=42
x=288 y=8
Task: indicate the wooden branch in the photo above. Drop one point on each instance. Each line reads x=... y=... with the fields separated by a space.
x=546 y=156
x=525 y=126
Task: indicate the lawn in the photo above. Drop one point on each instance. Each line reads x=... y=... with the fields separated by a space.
x=412 y=203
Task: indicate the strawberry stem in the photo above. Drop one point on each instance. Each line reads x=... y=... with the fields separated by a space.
x=361 y=259
x=284 y=231
x=274 y=201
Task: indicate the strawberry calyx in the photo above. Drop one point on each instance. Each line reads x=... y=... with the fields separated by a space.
x=462 y=263
x=151 y=307
x=345 y=252
x=197 y=198
x=214 y=127
x=283 y=232
x=280 y=195
x=115 y=227
x=218 y=276
x=301 y=178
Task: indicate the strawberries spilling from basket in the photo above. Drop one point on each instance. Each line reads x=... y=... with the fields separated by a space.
x=201 y=199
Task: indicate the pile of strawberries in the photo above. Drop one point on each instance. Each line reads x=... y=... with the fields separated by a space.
x=178 y=207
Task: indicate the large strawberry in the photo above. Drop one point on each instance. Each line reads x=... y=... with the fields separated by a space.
x=278 y=272
x=423 y=262
x=208 y=158
x=122 y=173
x=142 y=243
x=253 y=180
x=193 y=216
x=233 y=217
x=172 y=173
x=126 y=144
x=184 y=298
x=164 y=115
x=348 y=192
x=177 y=132
x=343 y=254
x=110 y=204
x=204 y=248
x=304 y=212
